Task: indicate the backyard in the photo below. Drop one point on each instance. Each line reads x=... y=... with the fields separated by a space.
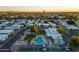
x=29 y=37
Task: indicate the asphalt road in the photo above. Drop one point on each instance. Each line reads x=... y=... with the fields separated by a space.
x=6 y=47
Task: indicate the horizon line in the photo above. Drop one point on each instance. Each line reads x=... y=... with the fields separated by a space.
x=39 y=9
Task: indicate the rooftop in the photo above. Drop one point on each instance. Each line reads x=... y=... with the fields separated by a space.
x=11 y=28
x=58 y=39
x=5 y=31
x=51 y=31
x=3 y=37
x=72 y=27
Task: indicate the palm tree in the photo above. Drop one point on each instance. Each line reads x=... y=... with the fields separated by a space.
x=34 y=28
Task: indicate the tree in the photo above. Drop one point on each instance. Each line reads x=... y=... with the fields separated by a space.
x=34 y=27
x=52 y=20
x=71 y=22
x=70 y=17
x=46 y=21
x=61 y=29
x=74 y=41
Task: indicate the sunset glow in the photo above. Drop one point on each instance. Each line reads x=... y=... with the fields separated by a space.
x=39 y=9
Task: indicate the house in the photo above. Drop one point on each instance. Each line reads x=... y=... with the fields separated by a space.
x=73 y=30
x=30 y=22
x=51 y=31
x=3 y=37
x=58 y=40
x=16 y=25
x=12 y=28
x=3 y=24
x=18 y=44
x=71 y=27
x=77 y=23
x=22 y=21
x=8 y=32
x=62 y=22
x=52 y=24
x=44 y=24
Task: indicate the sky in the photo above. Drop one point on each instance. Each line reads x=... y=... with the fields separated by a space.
x=39 y=8
x=40 y=5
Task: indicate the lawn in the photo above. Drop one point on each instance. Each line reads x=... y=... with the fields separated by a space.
x=29 y=37
x=41 y=32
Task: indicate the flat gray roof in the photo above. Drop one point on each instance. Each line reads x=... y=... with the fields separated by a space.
x=5 y=31
x=11 y=27
x=72 y=27
x=3 y=37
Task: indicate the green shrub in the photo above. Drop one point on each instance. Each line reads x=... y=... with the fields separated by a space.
x=52 y=20
x=71 y=22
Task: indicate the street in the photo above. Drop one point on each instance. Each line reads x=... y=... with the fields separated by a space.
x=7 y=45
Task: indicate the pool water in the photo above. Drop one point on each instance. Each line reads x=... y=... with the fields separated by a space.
x=39 y=40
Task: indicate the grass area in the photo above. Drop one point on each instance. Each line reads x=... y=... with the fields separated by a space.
x=41 y=32
x=29 y=37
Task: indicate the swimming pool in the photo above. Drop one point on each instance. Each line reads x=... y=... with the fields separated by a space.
x=39 y=40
